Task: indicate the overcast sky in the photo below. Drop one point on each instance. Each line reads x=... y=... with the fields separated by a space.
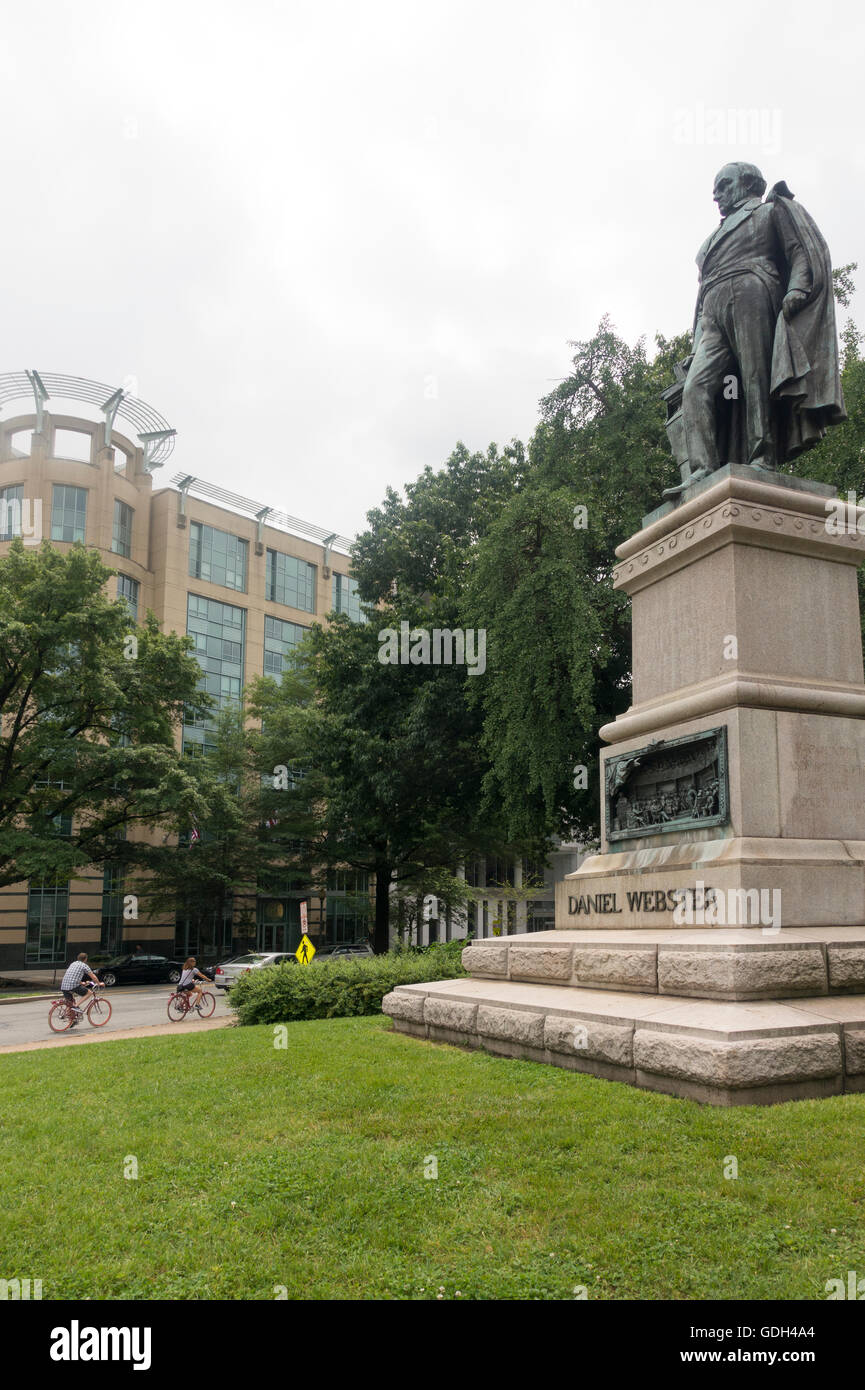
x=327 y=241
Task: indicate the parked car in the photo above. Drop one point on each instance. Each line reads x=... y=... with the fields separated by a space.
x=356 y=948
x=139 y=968
x=231 y=970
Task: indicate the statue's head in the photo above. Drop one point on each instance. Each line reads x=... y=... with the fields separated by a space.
x=736 y=182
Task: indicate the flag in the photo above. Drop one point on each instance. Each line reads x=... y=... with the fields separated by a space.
x=271 y=822
x=194 y=834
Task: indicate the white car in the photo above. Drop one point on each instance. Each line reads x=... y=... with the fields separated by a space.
x=232 y=969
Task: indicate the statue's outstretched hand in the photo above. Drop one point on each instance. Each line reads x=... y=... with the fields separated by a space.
x=793 y=302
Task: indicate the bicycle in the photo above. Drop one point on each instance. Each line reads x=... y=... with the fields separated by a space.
x=179 y=1005
x=61 y=1015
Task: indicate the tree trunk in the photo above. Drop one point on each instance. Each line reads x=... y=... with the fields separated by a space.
x=381 y=937
x=419 y=919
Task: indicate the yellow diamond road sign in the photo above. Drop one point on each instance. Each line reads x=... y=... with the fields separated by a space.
x=305 y=950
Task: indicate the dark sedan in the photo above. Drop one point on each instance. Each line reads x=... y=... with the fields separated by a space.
x=139 y=969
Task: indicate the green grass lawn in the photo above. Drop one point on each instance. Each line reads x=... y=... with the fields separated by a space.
x=304 y=1168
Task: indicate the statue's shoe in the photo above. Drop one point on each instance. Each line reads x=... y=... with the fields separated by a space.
x=696 y=477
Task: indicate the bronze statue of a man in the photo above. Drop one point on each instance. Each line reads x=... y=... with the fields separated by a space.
x=762 y=383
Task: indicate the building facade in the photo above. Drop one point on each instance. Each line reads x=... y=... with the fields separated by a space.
x=504 y=897
x=241 y=579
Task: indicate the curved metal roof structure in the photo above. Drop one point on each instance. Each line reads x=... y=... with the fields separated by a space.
x=268 y=516
x=151 y=429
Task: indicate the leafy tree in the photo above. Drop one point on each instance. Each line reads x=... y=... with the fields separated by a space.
x=90 y=706
x=389 y=755
x=542 y=584
x=210 y=874
x=423 y=547
x=839 y=459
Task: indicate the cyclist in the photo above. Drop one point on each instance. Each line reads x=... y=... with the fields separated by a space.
x=72 y=984
x=188 y=983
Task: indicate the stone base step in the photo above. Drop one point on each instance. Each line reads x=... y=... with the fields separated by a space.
x=732 y=963
x=707 y=1050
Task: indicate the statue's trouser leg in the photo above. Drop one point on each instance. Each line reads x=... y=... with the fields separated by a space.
x=713 y=360
x=751 y=326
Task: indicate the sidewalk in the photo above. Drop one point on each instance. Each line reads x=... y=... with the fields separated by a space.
x=49 y=979
x=156 y=1030
x=27 y=978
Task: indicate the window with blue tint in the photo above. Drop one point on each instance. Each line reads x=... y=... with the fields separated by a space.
x=280 y=641
x=11 y=499
x=128 y=589
x=68 y=513
x=219 y=632
x=290 y=581
x=217 y=556
x=121 y=536
x=346 y=599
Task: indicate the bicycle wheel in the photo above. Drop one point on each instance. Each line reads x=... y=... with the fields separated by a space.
x=206 y=1004
x=58 y=1017
x=177 y=1008
x=98 y=1011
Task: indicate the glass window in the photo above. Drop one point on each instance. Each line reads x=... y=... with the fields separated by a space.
x=112 y=908
x=218 y=630
x=347 y=881
x=540 y=914
x=47 y=918
x=68 y=513
x=346 y=921
x=290 y=581
x=345 y=598
x=128 y=589
x=10 y=511
x=217 y=556
x=121 y=537
x=280 y=641
x=347 y=909
x=498 y=873
x=534 y=873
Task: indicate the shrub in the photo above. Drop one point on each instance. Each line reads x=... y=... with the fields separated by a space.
x=449 y=948
x=337 y=988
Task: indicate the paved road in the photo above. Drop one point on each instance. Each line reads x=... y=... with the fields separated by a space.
x=132 y=1006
